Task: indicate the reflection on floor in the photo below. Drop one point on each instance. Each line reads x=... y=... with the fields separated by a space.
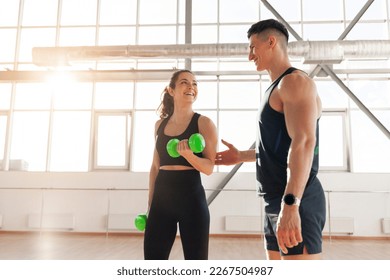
x=73 y=246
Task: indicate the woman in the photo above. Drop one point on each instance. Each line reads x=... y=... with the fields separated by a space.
x=176 y=194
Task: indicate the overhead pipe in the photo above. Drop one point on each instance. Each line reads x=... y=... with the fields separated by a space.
x=313 y=52
x=316 y=52
x=51 y=56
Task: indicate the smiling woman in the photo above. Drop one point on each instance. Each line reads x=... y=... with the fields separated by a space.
x=173 y=176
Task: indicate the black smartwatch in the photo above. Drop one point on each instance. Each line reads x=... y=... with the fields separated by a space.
x=291 y=199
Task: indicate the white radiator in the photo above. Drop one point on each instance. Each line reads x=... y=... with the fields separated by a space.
x=121 y=221
x=243 y=223
x=340 y=225
x=52 y=221
x=386 y=225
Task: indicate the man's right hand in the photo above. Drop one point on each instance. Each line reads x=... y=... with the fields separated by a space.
x=228 y=157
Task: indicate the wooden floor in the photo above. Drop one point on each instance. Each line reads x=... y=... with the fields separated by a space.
x=71 y=246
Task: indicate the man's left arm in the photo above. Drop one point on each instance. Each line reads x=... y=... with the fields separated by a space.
x=299 y=98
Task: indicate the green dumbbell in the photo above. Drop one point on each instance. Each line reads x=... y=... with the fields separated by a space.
x=196 y=143
x=140 y=222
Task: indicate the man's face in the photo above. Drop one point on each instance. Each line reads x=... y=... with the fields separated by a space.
x=258 y=48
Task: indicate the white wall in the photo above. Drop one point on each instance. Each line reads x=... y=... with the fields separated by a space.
x=93 y=200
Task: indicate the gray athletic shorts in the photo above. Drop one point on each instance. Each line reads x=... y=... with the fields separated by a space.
x=313 y=214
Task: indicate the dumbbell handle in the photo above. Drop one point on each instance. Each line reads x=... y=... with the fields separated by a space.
x=196 y=143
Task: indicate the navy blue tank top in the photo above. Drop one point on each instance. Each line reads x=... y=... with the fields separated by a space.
x=162 y=140
x=272 y=147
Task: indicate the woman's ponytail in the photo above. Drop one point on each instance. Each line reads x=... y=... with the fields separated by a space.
x=166 y=107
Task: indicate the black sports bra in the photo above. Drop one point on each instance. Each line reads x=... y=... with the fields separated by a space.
x=162 y=140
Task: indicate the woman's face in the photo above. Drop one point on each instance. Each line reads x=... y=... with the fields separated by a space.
x=186 y=88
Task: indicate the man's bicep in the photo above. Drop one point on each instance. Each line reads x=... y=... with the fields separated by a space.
x=300 y=113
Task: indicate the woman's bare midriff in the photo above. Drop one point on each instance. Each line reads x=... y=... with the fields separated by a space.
x=175 y=167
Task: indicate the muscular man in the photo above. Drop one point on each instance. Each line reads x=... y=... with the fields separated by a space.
x=286 y=151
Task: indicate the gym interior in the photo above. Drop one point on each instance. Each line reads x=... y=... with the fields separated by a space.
x=80 y=82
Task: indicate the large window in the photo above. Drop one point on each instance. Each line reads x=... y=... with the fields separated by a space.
x=370 y=147
x=107 y=121
x=112 y=138
x=333 y=150
x=3 y=133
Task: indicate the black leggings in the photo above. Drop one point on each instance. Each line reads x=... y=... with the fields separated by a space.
x=179 y=197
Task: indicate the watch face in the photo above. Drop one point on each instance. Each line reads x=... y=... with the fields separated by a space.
x=289 y=199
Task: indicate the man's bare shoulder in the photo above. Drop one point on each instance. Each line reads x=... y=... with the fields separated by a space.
x=296 y=84
x=296 y=78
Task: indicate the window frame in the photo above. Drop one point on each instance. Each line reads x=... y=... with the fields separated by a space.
x=129 y=136
x=346 y=140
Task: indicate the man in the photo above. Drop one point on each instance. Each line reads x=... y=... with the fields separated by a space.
x=287 y=143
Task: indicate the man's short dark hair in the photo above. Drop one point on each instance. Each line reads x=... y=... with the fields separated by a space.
x=267 y=24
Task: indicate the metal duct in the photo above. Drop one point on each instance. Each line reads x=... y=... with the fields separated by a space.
x=52 y=56
x=313 y=52
x=316 y=52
